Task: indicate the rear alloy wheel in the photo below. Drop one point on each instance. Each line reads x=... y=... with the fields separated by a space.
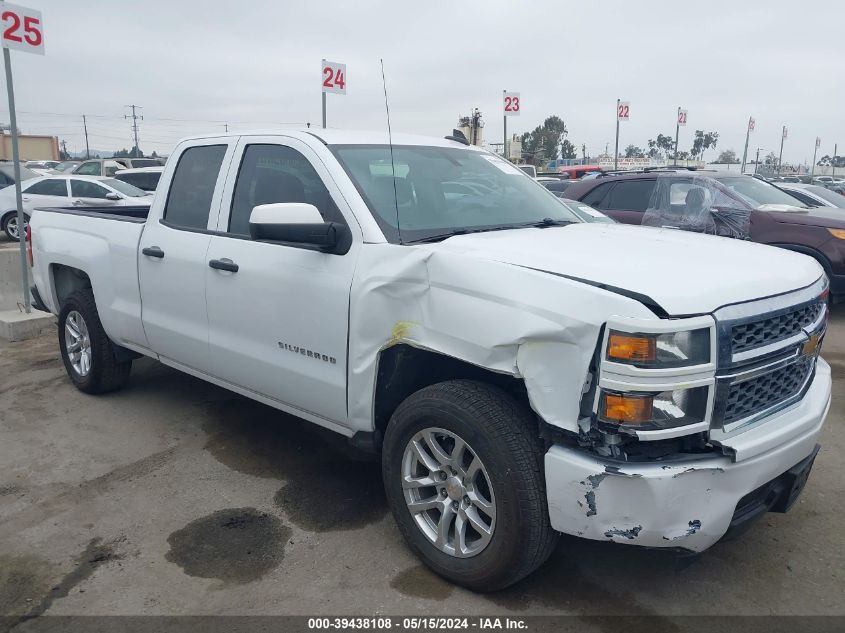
x=89 y=356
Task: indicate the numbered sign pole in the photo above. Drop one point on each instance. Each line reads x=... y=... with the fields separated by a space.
x=780 y=156
x=681 y=120
x=623 y=111
x=745 y=151
x=333 y=77
x=815 y=151
x=22 y=29
x=510 y=107
x=16 y=160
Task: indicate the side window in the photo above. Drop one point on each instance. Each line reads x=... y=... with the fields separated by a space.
x=803 y=197
x=275 y=173
x=87 y=189
x=189 y=199
x=5 y=181
x=597 y=195
x=111 y=167
x=48 y=188
x=89 y=169
x=630 y=195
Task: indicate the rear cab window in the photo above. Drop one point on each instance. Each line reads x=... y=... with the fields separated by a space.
x=192 y=187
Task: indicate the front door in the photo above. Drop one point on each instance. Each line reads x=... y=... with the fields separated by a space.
x=278 y=319
x=172 y=259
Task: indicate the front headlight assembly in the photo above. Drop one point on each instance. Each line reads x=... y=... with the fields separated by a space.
x=659 y=351
x=653 y=411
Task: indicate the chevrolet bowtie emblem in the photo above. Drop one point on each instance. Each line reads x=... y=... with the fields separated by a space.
x=811 y=345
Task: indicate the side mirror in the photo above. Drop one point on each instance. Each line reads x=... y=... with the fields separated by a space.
x=113 y=196
x=298 y=223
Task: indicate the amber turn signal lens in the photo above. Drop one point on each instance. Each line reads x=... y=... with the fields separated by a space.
x=837 y=233
x=627 y=410
x=631 y=348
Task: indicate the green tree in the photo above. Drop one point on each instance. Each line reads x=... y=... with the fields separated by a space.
x=771 y=159
x=661 y=147
x=544 y=142
x=632 y=151
x=567 y=149
x=728 y=157
x=702 y=141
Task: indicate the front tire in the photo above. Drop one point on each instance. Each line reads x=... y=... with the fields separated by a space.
x=88 y=354
x=462 y=468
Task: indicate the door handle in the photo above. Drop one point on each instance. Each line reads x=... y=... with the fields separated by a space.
x=224 y=264
x=153 y=251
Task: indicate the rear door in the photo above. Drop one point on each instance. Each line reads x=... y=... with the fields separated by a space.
x=172 y=261
x=45 y=193
x=278 y=325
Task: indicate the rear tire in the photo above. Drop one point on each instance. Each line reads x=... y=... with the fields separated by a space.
x=88 y=354
x=502 y=435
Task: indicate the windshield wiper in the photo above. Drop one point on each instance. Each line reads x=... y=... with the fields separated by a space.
x=505 y=227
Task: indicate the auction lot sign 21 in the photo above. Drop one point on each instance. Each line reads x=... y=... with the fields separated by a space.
x=23 y=30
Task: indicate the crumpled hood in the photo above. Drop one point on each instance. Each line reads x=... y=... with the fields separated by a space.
x=684 y=273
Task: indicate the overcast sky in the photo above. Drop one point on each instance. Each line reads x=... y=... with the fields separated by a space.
x=195 y=65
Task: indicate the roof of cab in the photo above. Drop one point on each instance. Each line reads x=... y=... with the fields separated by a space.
x=346 y=137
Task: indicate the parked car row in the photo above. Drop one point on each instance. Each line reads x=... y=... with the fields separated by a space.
x=773 y=216
x=64 y=191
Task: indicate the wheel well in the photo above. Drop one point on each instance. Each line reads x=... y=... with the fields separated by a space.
x=67 y=280
x=403 y=370
x=811 y=252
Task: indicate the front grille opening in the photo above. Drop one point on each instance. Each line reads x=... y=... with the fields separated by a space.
x=758 y=394
x=755 y=334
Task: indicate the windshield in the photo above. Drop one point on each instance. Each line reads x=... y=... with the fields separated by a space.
x=124 y=187
x=442 y=190
x=758 y=192
x=586 y=212
x=66 y=165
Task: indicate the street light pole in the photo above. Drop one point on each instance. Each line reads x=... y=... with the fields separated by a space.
x=745 y=151
x=505 y=128
x=780 y=156
x=757 y=161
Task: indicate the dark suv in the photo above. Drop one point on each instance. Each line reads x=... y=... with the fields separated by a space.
x=776 y=218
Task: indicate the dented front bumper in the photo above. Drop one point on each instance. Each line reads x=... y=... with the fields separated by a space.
x=681 y=504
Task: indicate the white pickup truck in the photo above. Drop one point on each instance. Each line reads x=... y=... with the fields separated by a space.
x=521 y=371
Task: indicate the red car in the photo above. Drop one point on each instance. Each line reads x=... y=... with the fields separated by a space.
x=771 y=215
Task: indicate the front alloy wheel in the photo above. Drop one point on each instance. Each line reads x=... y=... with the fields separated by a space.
x=448 y=492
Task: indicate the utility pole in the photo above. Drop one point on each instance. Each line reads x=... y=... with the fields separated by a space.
x=85 y=125
x=64 y=148
x=833 y=162
x=134 y=118
x=757 y=162
x=226 y=126
x=584 y=153
x=780 y=156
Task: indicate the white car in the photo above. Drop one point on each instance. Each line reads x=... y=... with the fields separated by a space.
x=814 y=195
x=145 y=178
x=521 y=370
x=63 y=191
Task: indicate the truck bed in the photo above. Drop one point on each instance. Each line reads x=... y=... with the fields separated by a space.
x=137 y=213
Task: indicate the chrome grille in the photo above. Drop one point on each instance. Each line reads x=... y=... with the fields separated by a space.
x=753 y=334
x=767 y=390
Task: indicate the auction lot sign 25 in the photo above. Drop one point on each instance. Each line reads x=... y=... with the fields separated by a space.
x=23 y=28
